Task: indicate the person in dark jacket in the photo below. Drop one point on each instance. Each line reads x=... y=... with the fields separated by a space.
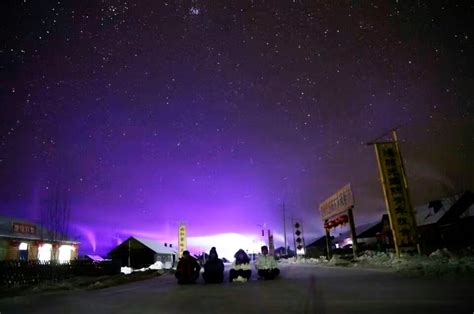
x=214 y=268
x=187 y=270
x=240 y=270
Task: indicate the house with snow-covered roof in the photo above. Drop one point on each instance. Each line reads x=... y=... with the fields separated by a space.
x=447 y=222
x=138 y=252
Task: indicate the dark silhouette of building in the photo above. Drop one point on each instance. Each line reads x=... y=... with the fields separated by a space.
x=447 y=223
x=318 y=247
x=137 y=253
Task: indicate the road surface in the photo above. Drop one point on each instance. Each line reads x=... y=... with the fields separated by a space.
x=301 y=289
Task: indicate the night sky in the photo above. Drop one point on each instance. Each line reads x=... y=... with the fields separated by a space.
x=216 y=112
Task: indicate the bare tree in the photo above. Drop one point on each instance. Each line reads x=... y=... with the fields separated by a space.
x=55 y=214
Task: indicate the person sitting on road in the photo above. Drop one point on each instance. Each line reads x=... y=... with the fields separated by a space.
x=213 y=268
x=266 y=265
x=187 y=271
x=240 y=270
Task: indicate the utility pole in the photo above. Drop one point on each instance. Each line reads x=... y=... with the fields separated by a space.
x=129 y=240
x=284 y=229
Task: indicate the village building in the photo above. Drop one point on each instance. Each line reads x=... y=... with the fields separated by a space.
x=374 y=235
x=444 y=223
x=22 y=240
x=447 y=222
x=138 y=252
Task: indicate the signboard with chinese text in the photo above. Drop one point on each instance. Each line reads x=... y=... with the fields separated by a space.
x=402 y=218
x=24 y=228
x=181 y=239
x=337 y=203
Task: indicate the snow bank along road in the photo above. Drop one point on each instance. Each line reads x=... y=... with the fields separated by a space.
x=302 y=289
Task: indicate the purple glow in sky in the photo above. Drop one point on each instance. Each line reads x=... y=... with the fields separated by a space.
x=215 y=113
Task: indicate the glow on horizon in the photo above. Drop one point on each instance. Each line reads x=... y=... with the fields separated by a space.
x=226 y=244
x=103 y=239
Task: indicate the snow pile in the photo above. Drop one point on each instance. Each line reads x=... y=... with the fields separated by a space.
x=286 y=261
x=439 y=263
x=312 y=260
x=336 y=260
x=156 y=266
x=374 y=259
x=319 y=260
x=442 y=253
x=126 y=270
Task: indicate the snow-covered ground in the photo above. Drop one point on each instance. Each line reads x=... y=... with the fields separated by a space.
x=439 y=263
x=156 y=266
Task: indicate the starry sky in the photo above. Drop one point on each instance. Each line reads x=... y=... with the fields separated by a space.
x=215 y=113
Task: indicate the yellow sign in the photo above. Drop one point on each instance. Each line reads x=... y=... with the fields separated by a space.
x=395 y=189
x=337 y=203
x=181 y=239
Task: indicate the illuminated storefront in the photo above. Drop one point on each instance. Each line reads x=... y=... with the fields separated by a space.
x=25 y=241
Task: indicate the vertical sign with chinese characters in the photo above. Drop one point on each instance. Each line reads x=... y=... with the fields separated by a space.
x=395 y=189
x=181 y=239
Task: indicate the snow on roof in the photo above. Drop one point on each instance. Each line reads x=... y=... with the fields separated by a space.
x=155 y=246
x=96 y=258
x=426 y=215
x=470 y=211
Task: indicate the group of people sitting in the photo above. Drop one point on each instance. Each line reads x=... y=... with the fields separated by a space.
x=188 y=268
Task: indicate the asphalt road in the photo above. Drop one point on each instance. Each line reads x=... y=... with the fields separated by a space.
x=301 y=289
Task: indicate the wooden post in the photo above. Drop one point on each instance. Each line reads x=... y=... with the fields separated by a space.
x=353 y=231
x=328 y=243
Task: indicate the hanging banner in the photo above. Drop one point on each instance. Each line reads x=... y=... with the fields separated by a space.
x=395 y=189
x=337 y=203
x=181 y=239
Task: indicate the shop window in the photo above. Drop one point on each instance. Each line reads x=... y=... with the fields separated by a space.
x=65 y=253
x=44 y=252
